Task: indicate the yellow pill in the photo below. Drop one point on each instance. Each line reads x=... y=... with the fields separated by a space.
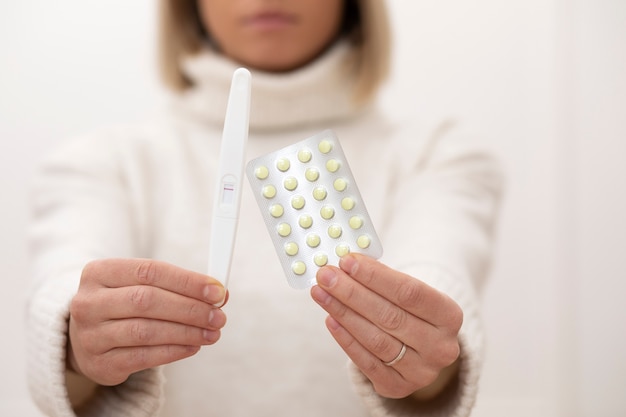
x=304 y=155
x=298 y=268
x=313 y=240
x=325 y=146
x=283 y=164
x=355 y=222
x=327 y=212
x=319 y=193
x=363 y=241
x=284 y=229
x=276 y=210
x=269 y=191
x=320 y=259
x=298 y=202
x=291 y=248
x=332 y=165
x=290 y=183
x=261 y=172
x=334 y=231
x=305 y=221
x=347 y=203
x=342 y=249
x=340 y=184
x=312 y=174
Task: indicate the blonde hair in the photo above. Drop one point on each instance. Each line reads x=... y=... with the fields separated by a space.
x=365 y=24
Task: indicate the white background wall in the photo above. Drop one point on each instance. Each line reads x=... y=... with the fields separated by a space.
x=543 y=79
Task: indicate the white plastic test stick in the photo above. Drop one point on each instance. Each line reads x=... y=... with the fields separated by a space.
x=229 y=177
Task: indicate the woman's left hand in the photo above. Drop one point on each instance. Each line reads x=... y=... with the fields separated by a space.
x=400 y=332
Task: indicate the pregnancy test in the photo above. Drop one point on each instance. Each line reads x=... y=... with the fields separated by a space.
x=229 y=178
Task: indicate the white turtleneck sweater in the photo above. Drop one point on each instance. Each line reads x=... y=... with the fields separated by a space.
x=146 y=191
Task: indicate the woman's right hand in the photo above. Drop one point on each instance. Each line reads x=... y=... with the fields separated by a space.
x=133 y=314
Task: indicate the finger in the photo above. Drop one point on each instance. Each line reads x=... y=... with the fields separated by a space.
x=115 y=273
x=145 y=332
x=422 y=337
x=365 y=340
x=379 y=343
x=378 y=311
x=386 y=380
x=398 y=380
x=143 y=301
x=156 y=303
x=408 y=293
x=114 y=367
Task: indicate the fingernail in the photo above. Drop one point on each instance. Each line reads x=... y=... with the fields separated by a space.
x=320 y=295
x=349 y=264
x=332 y=323
x=210 y=335
x=326 y=277
x=216 y=318
x=214 y=293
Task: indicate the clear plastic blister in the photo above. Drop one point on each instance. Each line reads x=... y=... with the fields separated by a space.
x=312 y=207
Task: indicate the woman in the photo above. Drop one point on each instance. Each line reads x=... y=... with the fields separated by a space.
x=121 y=226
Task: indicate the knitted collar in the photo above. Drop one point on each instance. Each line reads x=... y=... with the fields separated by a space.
x=319 y=92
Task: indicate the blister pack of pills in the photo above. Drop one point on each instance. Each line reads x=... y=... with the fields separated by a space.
x=312 y=207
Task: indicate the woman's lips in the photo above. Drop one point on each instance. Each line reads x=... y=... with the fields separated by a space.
x=269 y=21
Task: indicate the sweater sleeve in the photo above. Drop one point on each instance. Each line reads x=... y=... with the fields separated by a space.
x=441 y=232
x=81 y=211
